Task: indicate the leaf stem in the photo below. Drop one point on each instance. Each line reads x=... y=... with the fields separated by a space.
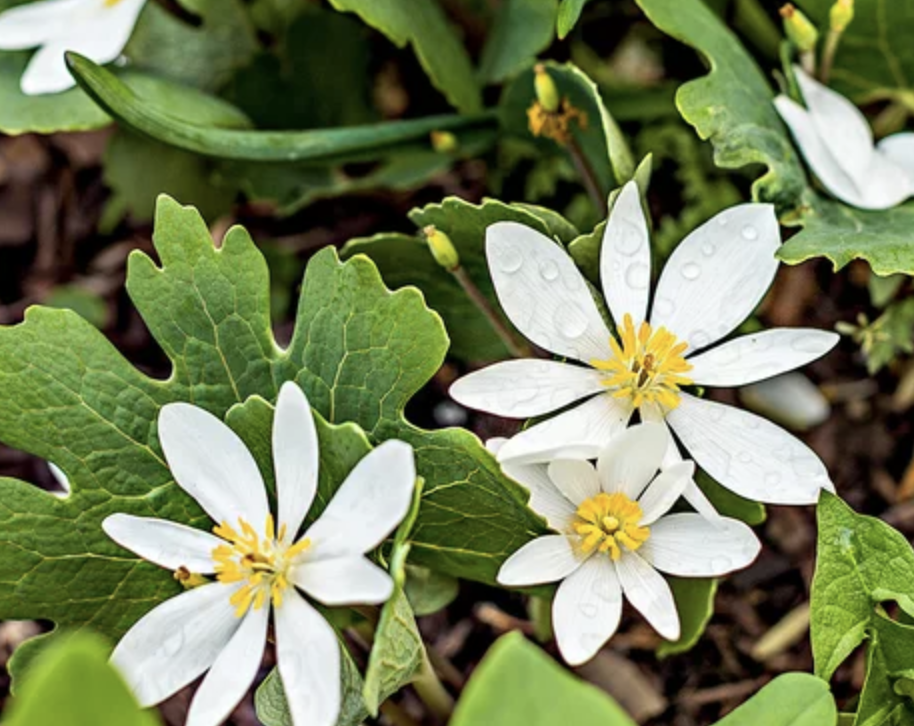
x=586 y=172
x=433 y=694
x=828 y=54
x=540 y=614
x=517 y=349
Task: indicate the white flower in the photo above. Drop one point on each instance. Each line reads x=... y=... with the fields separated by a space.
x=615 y=537
x=713 y=280
x=221 y=625
x=837 y=143
x=98 y=29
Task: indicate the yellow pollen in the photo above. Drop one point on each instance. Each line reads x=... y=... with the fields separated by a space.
x=555 y=125
x=607 y=522
x=647 y=367
x=111 y=3
x=261 y=564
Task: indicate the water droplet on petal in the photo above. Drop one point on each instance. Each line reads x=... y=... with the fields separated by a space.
x=773 y=478
x=745 y=457
x=716 y=413
x=588 y=609
x=664 y=306
x=749 y=232
x=690 y=271
x=722 y=221
x=549 y=271
x=721 y=563
x=707 y=249
x=637 y=276
x=699 y=339
x=173 y=644
x=806 y=344
x=570 y=321
x=628 y=238
x=509 y=259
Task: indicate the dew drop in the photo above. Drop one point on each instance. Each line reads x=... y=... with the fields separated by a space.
x=549 y=271
x=509 y=259
x=745 y=457
x=690 y=271
x=664 y=306
x=588 y=609
x=716 y=413
x=173 y=644
x=721 y=564
x=570 y=321
x=749 y=232
x=637 y=276
x=628 y=238
x=773 y=478
x=805 y=466
x=707 y=249
x=699 y=339
x=722 y=221
x=806 y=344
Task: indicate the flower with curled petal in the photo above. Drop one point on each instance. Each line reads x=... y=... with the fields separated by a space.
x=614 y=536
x=837 y=143
x=97 y=29
x=713 y=280
x=259 y=564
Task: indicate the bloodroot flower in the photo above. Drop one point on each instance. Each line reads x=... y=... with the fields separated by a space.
x=221 y=625
x=712 y=282
x=837 y=143
x=614 y=537
x=98 y=29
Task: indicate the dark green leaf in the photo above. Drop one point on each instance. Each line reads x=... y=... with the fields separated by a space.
x=522 y=29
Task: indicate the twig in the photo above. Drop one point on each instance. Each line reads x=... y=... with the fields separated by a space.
x=586 y=172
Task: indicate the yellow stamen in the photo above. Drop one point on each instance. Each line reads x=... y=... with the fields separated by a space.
x=261 y=564
x=111 y=3
x=647 y=367
x=606 y=521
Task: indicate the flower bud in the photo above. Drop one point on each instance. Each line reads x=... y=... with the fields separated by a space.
x=444 y=142
x=442 y=248
x=546 y=92
x=799 y=29
x=841 y=14
x=189 y=579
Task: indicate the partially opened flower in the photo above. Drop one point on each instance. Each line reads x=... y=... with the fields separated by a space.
x=98 y=29
x=258 y=564
x=713 y=280
x=837 y=143
x=614 y=536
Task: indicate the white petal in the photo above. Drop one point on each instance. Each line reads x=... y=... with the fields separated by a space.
x=649 y=593
x=579 y=433
x=586 y=610
x=369 y=505
x=718 y=275
x=295 y=458
x=898 y=149
x=28 y=26
x=233 y=672
x=625 y=257
x=167 y=544
x=545 y=499
x=662 y=493
x=632 y=458
x=211 y=463
x=574 y=478
x=544 y=294
x=790 y=399
x=752 y=358
x=545 y=559
x=688 y=545
x=308 y=655
x=62 y=480
x=47 y=71
x=526 y=387
x=176 y=641
x=343 y=581
x=749 y=454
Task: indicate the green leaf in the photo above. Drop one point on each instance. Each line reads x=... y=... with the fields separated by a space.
x=204 y=57
x=731 y=105
x=842 y=233
x=861 y=562
x=791 y=699
x=405 y=260
x=72 y=684
x=602 y=142
x=521 y=30
x=66 y=395
x=568 y=16
x=81 y=300
x=886 y=695
x=429 y=591
x=695 y=604
x=158 y=121
x=422 y=24
x=875 y=53
x=518 y=685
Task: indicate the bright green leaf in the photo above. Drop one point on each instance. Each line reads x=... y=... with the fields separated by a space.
x=521 y=30
x=160 y=122
x=423 y=24
x=886 y=697
x=860 y=563
x=518 y=685
x=568 y=15
x=405 y=260
x=695 y=604
x=791 y=699
x=72 y=684
x=429 y=591
x=731 y=105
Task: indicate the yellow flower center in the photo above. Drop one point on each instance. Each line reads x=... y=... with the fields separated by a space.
x=111 y=3
x=647 y=367
x=608 y=522
x=262 y=564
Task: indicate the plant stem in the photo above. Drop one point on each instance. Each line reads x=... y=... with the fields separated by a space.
x=518 y=350
x=828 y=54
x=540 y=614
x=433 y=694
x=586 y=172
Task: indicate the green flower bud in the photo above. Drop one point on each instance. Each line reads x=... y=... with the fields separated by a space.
x=799 y=29
x=442 y=248
x=841 y=14
x=546 y=92
x=444 y=142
